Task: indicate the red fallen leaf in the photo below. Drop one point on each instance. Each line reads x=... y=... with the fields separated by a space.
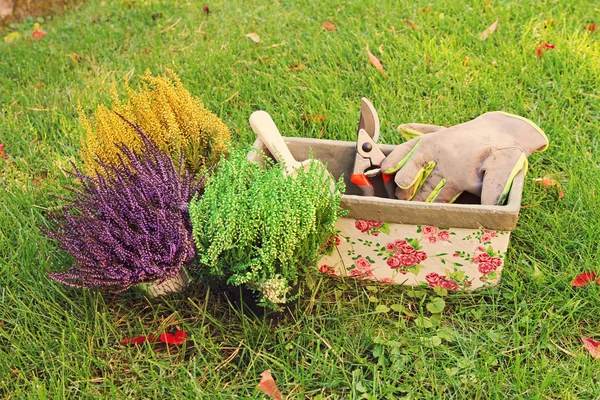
x=206 y=10
x=484 y=35
x=544 y=46
x=139 y=340
x=375 y=62
x=1 y=323
x=545 y=182
x=328 y=26
x=38 y=34
x=591 y=27
x=268 y=386
x=178 y=338
x=583 y=279
x=2 y=153
x=591 y=346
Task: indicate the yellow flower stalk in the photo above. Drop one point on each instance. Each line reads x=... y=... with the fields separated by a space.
x=170 y=116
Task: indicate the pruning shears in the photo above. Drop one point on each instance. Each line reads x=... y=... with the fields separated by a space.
x=368 y=156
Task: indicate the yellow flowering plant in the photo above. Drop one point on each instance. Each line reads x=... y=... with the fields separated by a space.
x=169 y=115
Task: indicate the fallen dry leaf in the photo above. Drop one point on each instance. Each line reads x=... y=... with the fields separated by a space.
x=76 y=58
x=375 y=62
x=584 y=279
x=206 y=10
x=542 y=47
x=591 y=27
x=11 y=37
x=254 y=37
x=328 y=26
x=411 y=23
x=268 y=386
x=314 y=118
x=297 y=67
x=484 y=35
x=545 y=182
x=591 y=346
x=426 y=10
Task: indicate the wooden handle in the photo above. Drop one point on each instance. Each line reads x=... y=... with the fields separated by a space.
x=267 y=131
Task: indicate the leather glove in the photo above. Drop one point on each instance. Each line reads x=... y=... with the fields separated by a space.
x=481 y=157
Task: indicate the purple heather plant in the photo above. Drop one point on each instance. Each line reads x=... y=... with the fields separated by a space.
x=129 y=223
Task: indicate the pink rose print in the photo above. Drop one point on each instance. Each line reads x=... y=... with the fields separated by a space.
x=375 y=233
x=332 y=240
x=434 y=279
x=486 y=267
x=432 y=239
x=486 y=263
x=483 y=257
x=327 y=269
x=375 y=224
x=444 y=235
x=389 y=281
x=409 y=260
x=363 y=268
x=491 y=233
x=362 y=225
x=407 y=248
x=405 y=255
x=429 y=230
x=486 y=238
x=362 y=263
x=455 y=255
x=393 y=262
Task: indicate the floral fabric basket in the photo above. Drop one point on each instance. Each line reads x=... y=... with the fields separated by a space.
x=458 y=246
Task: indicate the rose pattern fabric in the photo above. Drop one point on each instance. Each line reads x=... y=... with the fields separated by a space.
x=433 y=279
x=362 y=268
x=453 y=259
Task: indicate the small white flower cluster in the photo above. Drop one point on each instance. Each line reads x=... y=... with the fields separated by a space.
x=275 y=289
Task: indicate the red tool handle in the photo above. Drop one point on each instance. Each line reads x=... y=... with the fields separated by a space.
x=363 y=183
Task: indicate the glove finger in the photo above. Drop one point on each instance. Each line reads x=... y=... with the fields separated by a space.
x=400 y=156
x=500 y=169
x=411 y=131
x=437 y=190
x=411 y=178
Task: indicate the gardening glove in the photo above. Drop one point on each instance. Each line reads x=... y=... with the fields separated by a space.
x=481 y=157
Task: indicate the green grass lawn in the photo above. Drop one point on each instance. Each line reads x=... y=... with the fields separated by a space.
x=521 y=340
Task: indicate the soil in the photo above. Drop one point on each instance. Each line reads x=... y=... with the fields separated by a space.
x=17 y=10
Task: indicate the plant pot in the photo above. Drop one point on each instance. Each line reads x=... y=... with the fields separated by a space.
x=458 y=246
x=168 y=286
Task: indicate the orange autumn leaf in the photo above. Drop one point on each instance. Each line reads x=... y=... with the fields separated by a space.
x=545 y=182
x=591 y=346
x=268 y=386
x=328 y=26
x=583 y=279
x=484 y=35
x=375 y=62
x=314 y=118
x=591 y=27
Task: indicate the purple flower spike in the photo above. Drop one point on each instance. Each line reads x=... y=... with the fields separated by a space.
x=129 y=223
